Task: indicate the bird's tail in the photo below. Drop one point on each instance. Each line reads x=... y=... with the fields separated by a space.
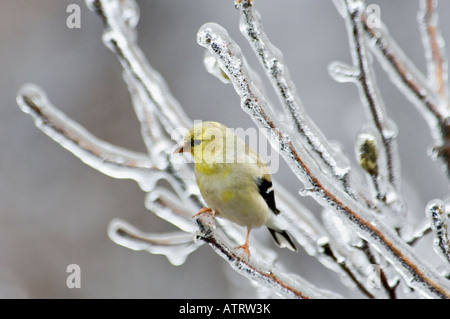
x=282 y=239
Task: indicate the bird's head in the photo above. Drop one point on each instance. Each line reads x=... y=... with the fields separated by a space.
x=205 y=141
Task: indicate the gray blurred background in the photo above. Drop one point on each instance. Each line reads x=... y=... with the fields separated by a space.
x=54 y=210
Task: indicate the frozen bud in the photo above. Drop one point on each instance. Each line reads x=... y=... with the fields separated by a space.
x=368 y=155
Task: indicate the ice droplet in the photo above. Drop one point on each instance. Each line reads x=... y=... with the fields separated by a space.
x=212 y=66
x=109 y=37
x=30 y=92
x=130 y=12
x=390 y=130
x=91 y=4
x=355 y=6
x=342 y=72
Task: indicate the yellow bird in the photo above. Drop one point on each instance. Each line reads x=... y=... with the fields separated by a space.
x=234 y=181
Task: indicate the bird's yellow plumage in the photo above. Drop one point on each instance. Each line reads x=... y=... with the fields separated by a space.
x=234 y=180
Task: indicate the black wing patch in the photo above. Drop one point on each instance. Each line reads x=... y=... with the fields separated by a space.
x=266 y=190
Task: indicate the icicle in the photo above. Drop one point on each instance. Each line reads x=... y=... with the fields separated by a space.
x=176 y=246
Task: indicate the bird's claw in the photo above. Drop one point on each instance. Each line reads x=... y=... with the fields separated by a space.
x=246 y=250
x=205 y=210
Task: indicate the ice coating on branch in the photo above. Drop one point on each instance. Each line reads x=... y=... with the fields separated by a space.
x=342 y=72
x=176 y=246
x=130 y=13
x=355 y=6
x=109 y=159
x=435 y=50
x=288 y=286
x=374 y=106
x=339 y=229
x=354 y=259
x=303 y=130
x=439 y=224
x=430 y=100
x=117 y=38
x=168 y=206
x=211 y=65
x=151 y=131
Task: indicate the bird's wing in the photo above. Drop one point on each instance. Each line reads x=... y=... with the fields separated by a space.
x=265 y=186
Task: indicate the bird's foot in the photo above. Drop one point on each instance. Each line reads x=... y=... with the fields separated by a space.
x=205 y=210
x=246 y=250
x=249 y=3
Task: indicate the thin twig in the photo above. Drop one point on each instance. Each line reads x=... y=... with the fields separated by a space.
x=419 y=234
x=372 y=99
x=438 y=217
x=391 y=291
x=347 y=270
x=434 y=47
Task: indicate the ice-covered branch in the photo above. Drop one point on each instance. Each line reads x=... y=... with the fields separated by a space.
x=100 y=155
x=434 y=45
x=322 y=244
x=438 y=217
x=388 y=187
x=146 y=107
x=353 y=233
x=414 y=85
x=144 y=83
x=289 y=286
x=217 y=41
x=120 y=19
x=176 y=246
x=304 y=129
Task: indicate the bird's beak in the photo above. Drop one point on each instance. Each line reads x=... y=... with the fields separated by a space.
x=183 y=149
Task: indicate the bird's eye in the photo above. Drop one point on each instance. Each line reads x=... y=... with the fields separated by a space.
x=195 y=142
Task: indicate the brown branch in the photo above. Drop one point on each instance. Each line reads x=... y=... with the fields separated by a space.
x=370 y=96
x=437 y=62
x=384 y=280
x=347 y=270
x=265 y=275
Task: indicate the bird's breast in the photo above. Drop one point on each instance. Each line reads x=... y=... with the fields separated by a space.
x=232 y=193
